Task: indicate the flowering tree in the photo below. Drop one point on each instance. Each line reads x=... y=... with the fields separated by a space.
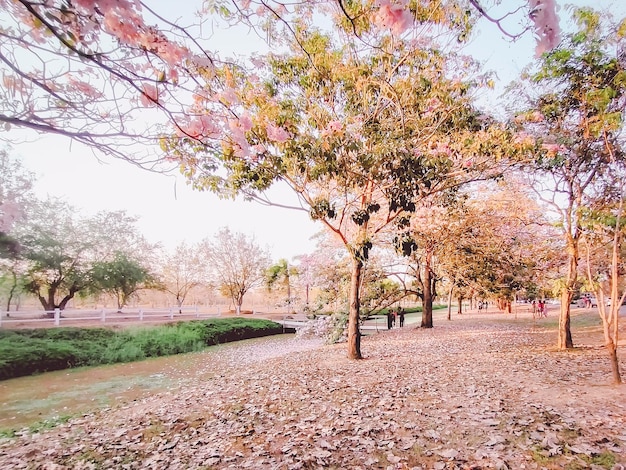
x=360 y=136
x=575 y=103
x=110 y=74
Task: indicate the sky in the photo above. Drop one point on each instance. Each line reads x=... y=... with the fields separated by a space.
x=170 y=211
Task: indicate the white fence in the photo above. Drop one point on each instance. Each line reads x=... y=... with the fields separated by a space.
x=57 y=317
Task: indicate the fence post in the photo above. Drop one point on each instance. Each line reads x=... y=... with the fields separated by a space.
x=171 y=313
x=1 y=314
x=197 y=311
x=57 y=316
x=140 y=314
x=219 y=313
x=103 y=316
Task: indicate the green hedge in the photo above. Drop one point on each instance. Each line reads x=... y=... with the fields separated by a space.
x=27 y=352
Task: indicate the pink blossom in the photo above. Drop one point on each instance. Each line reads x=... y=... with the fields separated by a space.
x=245 y=121
x=395 y=16
x=10 y=211
x=522 y=138
x=238 y=137
x=553 y=148
x=149 y=96
x=228 y=96
x=84 y=88
x=277 y=134
x=546 y=22
x=334 y=126
x=442 y=148
x=199 y=127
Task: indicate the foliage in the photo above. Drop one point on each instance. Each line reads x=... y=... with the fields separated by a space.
x=280 y=276
x=122 y=276
x=59 y=247
x=361 y=138
x=26 y=352
x=574 y=112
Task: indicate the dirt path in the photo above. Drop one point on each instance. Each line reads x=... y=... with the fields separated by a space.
x=466 y=394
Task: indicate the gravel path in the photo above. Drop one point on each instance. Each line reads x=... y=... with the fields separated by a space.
x=463 y=395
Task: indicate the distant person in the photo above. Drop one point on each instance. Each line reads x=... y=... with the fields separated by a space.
x=401 y=316
x=389 y=320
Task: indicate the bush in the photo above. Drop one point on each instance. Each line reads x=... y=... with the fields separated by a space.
x=27 y=352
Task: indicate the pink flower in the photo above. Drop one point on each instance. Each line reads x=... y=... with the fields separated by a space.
x=553 y=149
x=10 y=211
x=199 y=127
x=149 y=96
x=397 y=17
x=245 y=122
x=228 y=96
x=547 y=30
x=277 y=134
x=334 y=126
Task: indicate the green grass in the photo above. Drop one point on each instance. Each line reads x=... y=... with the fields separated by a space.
x=27 y=352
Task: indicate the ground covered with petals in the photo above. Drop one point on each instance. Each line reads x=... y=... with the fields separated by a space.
x=463 y=395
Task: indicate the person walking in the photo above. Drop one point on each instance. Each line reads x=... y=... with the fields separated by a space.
x=401 y=316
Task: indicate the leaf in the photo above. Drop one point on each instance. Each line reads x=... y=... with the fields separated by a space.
x=495 y=440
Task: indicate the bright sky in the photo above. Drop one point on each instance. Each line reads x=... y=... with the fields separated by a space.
x=171 y=212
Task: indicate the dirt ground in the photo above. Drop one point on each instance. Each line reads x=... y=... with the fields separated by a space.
x=482 y=391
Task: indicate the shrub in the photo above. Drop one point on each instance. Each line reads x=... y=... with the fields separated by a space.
x=27 y=352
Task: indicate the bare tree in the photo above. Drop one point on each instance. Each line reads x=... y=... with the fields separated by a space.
x=182 y=271
x=237 y=263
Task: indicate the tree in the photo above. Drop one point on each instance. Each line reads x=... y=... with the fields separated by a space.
x=604 y=241
x=59 y=246
x=237 y=263
x=182 y=271
x=15 y=198
x=280 y=274
x=575 y=102
x=360 y=138
x=121 y=277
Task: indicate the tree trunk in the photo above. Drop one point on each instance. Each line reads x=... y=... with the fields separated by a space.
x=460 y=311
x=564 y=340
x=450 y=301
x=427 y=299
x=354 y=334
x=617 y=377
x=12 y=291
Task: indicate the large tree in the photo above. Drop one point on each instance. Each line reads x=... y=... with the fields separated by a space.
x=236 y=262
x=361 y=136
x=575 y=102
x=59 y=245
